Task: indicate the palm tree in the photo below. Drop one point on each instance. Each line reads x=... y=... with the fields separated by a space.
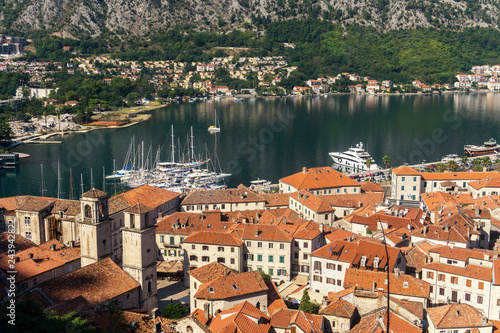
x=369 y=162
x=441 y=167
x=477 y=164
x=487 y=162
x=465 y=159
x=452 y=165
x=387 y=160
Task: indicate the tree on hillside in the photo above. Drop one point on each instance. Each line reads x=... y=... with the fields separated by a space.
x=307 y=305
x=5 y=130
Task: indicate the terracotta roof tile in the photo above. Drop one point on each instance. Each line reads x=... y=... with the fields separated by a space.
x=241 y=318
x=402 y=285
x=138 y=209
x=405 y=170
x=315 y=203
x=353 y=200
x=377 y=323
x=233 y=195
x=286 y=318
x=232 y=285
x=94 y=194
x=97 y=282
x=210 y=272
x=338 y=308
x=215 y=238
x=371 y=187
x=148 y=195
x=471 y=270
x=319 y=178
x=35 y=204
x=455 y=315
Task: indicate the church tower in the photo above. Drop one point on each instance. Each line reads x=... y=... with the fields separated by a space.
x=95 y=227
x=139 y=252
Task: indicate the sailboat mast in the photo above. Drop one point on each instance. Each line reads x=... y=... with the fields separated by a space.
x=81 y=181
x=58 y=181
x=43 y=185
x=70 y=184
x=91 y=179
x=173 y=146
x=192 y=145
x=103 y=179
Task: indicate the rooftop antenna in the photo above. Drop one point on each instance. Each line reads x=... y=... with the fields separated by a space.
x=81 y=182
x=43 y=185
x=70 y=184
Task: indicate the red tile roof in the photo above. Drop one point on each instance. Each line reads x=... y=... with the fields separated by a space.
x=461 y=253
x=232 y=285
x=353 y=200
x=214 y=238
x=230 y=195
x=401 y=285
x=456 y=315
x=471 y=271
x=210 y=272
x=371 y=187
x=319 y=178
x=338 y=308
x=405 y=171
x=97 y=283
x=287 y=318
x=150 y=196
x=241 y=318
x=377 y=323
x=315 y=203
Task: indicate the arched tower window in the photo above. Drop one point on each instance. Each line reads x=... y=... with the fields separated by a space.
x=132 y=221
x=102 y=210
x=149 y=286
x=88 y=211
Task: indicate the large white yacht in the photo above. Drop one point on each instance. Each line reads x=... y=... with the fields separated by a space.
x=354 y=159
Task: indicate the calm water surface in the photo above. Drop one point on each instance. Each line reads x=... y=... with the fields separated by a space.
x=270 y=138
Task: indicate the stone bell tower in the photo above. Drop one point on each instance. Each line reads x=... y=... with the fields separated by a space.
x=95 y=227
x=139 y=252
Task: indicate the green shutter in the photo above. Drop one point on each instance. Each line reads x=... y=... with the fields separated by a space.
x=270 y=271
x=271 y=258
x=259 y=257
x=282 y=259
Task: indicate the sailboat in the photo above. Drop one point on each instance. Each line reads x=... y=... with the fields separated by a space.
x=216 y=127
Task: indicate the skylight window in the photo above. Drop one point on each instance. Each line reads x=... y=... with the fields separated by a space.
x=234 y=287
x=211 y=289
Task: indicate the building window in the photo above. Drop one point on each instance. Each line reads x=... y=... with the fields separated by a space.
x=454 y=280
x=339 y=268
x=414 y=179
x=27 y=220
x=431 y=289
x=259 y=244
x=232 y=261
x=330 y=266
x=205 y=258
x=339 y=283
x=270 y=245
x=306 y=245
x=296 y=255
x=259 y=257
x=440 y=277
x=172 y=241
x=193 y=258
x=220 y=249
x=28 y=235
x=162 y=239
x=249 y=256
x=430 y=275
x=281 y=272
x=304 y=268
x=271 y=259
x=232 y=250
x=193 y=247
x=249 y=244
x=221 y=260
x=479 y=299
x=441 y=291
x=282 y=246
x=204 y=247
x=403 y=179
x=467 y=297
x=282 y=259
x=480 y=285
x=414 y=188
x=270 y=271
x=402 y=188
x=317 y=278
x=35 y=281
x=330 y=281
x=305 y=256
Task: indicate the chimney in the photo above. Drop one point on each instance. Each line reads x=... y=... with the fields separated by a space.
x=30 y=255
x=52 y=247
x=160 y=215
x=304 y=170
x=256 y=232
x=447 y=227
x=397 y=273
x=154 y=313
x=484 y=321
x=206 y=310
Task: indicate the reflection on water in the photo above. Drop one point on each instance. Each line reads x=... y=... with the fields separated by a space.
x=270 y=138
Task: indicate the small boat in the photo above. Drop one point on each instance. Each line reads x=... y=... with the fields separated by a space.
x=238 y=99
x=260 y=182
x=450 y=157
x=216 y=127
x=489 y=147
x=354 y=159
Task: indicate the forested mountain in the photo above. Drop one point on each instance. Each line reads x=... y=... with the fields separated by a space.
x=76 y=18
